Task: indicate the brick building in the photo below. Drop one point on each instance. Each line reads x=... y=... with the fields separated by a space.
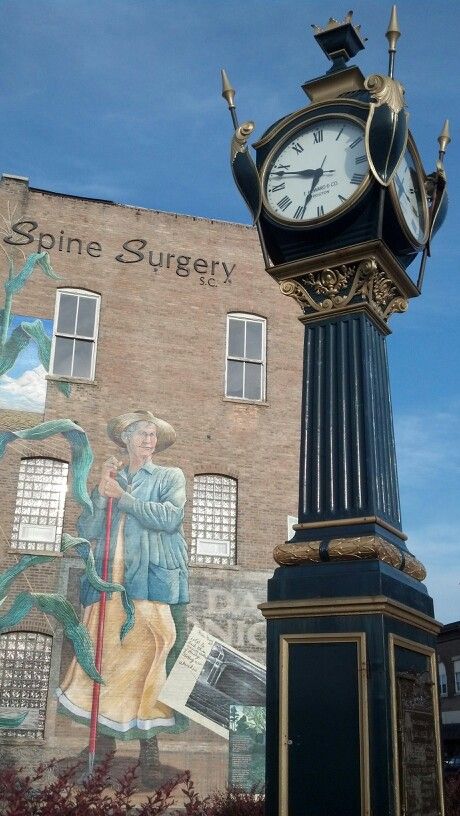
x=161 y=312
x=449 y=686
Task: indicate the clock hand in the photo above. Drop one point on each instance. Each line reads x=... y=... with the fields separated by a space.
x=402 y=189
x=304 y=173
x=309 y=195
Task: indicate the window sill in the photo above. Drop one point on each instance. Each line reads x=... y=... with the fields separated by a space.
x=54 y=554
x=234 y=567
x=240 y=401
x=81 y=380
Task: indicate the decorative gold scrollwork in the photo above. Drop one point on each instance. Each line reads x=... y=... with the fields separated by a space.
x=346 y=285
x=385 y=90
x=240 y=138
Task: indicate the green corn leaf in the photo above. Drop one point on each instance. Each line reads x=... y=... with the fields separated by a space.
x=15 y=283
x=58 y=607
x=83 y=548
x=37 y=333
x=19 y=339
x=82 y=455
x=11 y=350
x=12 y=720
x=8 y=576
x=64 y=387
x=18 y=610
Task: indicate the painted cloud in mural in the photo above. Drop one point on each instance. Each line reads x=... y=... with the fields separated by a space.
x=23 y=388
x=26 y=392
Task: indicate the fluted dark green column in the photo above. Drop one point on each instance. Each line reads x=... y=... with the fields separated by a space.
x=347 y=455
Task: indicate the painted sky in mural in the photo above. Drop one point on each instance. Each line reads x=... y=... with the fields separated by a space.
x=23 y=388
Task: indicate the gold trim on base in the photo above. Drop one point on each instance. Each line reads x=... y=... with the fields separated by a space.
x=365 y=605
x=393 y=641
x=350 y=549
x=310 y=525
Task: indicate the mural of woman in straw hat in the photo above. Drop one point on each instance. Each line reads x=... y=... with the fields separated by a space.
x=148 y=555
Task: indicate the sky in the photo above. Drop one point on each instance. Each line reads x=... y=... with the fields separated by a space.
x=120 y=100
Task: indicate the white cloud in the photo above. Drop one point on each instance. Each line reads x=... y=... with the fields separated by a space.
x=427 y=442
x=25 y=393
x=437 y=546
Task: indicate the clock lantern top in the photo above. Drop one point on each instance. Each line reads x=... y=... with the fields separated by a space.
x=340 y=182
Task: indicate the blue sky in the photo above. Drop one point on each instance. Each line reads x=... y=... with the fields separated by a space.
x=120 y=99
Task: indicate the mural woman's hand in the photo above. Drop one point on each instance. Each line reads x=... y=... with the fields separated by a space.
x=108 y=470
x=109 y=487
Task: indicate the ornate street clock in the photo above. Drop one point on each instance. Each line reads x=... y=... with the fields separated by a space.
x=343 y=206
x=343 y=172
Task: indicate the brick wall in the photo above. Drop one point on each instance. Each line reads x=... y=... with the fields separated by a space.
x=161 y=347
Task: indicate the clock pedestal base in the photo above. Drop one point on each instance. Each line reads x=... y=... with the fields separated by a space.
x=352 y=709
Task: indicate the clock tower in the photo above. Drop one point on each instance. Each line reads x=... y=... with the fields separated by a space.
x=343 y=207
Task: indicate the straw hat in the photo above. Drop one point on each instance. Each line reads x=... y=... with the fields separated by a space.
x=166 y=434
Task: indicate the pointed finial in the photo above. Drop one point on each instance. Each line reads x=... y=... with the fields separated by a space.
x=444 y=139
x=229 y=94
x=393 y=34
x=227 y=91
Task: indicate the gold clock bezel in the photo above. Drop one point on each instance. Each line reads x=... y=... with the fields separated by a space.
x=412 y=148
x=337 y=211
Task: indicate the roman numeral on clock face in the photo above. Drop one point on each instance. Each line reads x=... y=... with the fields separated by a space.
x=278 y=187
x=284 y=203
x=317 y=136
x=357 y=178
x=360 y=159
x=320 y=210
x=298 y=212
x=297 y=147
x=355 y=142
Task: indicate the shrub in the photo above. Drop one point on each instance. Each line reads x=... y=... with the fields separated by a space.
x=31 y=794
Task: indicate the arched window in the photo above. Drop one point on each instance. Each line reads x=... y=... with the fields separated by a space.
x=76 y=320
x=457 y=675
x=214 y=520
x=25 y=659
x=245 y=370
x=442 y=679
x=40 y=500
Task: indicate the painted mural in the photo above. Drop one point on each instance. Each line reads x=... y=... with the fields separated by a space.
x=138 y=509
x=25 y=342
x=23 y=386
x=134 y=671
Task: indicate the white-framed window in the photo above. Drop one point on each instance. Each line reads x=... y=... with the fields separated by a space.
x=25 y=659
x=214 y=519
x=245 y=368
x=457 y=675
x=40 y=500
x=442 y=679
x=76 y=321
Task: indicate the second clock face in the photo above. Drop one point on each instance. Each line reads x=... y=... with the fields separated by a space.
x=411 y=197
x=318 y=170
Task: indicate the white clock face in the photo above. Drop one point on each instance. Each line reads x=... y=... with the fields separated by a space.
x=411 y=196
x=317 y=170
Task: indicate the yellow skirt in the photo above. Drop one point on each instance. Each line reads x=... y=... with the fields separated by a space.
x=133 y=671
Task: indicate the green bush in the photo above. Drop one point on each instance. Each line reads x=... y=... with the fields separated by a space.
x=31 y=794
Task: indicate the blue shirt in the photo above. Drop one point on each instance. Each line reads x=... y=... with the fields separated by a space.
x=155 y=551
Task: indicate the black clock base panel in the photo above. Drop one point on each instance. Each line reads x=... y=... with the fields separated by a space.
x=352 y=708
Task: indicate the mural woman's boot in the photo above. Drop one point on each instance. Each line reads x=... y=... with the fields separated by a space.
x=150 y=765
